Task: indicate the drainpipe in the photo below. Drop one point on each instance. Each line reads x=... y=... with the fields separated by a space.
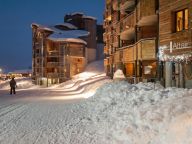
x=42 y=61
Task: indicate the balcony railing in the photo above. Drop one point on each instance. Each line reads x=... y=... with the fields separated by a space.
x=128 y=22
x=53 y=75
x=126 y=5
x=104 y=37
x=129 y=54
x=106 y=50
x=106 y=62
x=115 y=5
x=52 y=64
x=127 y=26
x=53 y=53
x=146 y=12
x=146 y=49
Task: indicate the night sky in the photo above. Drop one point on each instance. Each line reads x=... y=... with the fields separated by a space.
x=16 y=17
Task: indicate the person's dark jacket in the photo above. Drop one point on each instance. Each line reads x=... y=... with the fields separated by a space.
x=12 y=83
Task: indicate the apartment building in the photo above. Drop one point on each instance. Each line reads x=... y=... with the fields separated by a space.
x=63 y=50
x=59 y=52
x=89 y=24
x=131 y=44
x=175 y=42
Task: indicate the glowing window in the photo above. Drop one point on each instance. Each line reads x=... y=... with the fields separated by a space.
x=186 y=18
x=182 y=20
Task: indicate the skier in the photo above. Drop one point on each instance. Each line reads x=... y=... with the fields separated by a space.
x=12 y=86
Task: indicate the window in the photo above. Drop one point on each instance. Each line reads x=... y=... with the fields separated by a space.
x=182 y=20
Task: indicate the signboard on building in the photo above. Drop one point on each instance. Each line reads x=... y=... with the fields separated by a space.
x=176 y=51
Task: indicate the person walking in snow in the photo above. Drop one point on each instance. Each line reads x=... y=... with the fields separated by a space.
x=12 y=86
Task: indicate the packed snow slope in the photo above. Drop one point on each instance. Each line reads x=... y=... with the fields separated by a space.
x=115 y=112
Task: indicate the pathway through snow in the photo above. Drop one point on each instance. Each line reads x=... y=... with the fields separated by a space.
x=118 y=113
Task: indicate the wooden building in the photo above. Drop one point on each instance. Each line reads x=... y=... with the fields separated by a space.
x=175 y=42
x=59 y=52
x=131 y=30
x=89 y=24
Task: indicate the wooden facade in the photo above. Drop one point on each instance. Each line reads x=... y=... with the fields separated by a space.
x=175 y=42
x=55 y=61
x=131 y=29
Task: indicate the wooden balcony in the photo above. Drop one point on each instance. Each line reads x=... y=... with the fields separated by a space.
x=104 y=37
x=146 y=49
x=52 y=64
x=53 y=75
x=126 y=5
x=107 y=14
x=106 y=62
x=146 y=13
x=117 y=57
x=127 y=26
x=53 y=53
x=117 y=28
x=129 y=54
x=106 y=51
x=115 y=5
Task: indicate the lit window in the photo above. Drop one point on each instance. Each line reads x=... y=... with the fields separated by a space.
x=182 y=20
x=186 y=19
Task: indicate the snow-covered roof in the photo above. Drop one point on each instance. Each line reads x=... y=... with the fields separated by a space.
x=75 y=13
x=34 y=24
x=64 y=35
x=69 y=34
x=41 y=27
x=89 y=17
x=70 y=26
x=84 y=16
x=53 y=28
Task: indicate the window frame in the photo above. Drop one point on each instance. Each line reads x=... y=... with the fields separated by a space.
x=183 y=20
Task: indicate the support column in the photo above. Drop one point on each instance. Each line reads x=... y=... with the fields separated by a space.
x=168 y=74
x=181 y=76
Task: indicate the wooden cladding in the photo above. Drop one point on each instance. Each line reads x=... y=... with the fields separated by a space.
x=128 y=55
x=128 y=22
x=146 y=8
x=117 y=57
x=106 y=62
x=146 y=50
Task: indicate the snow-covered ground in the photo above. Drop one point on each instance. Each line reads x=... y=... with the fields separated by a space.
x=92 y=109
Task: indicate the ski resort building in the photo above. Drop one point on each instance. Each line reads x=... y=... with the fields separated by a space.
x=131 y=44
x=149 y=40
x=59 y=52
x=63 y=50
x=175 y=42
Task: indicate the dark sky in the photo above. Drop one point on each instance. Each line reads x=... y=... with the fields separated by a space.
x=16 y=17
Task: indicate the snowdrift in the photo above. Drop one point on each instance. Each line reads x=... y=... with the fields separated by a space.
x=141 y=113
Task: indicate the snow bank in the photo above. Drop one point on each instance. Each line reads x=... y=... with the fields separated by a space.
x=92 y=70
x=142 y=113
x=118 y=75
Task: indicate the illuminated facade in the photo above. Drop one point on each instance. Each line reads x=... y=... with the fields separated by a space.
x=131 y=30
x=175 y=42
x=59 y=52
